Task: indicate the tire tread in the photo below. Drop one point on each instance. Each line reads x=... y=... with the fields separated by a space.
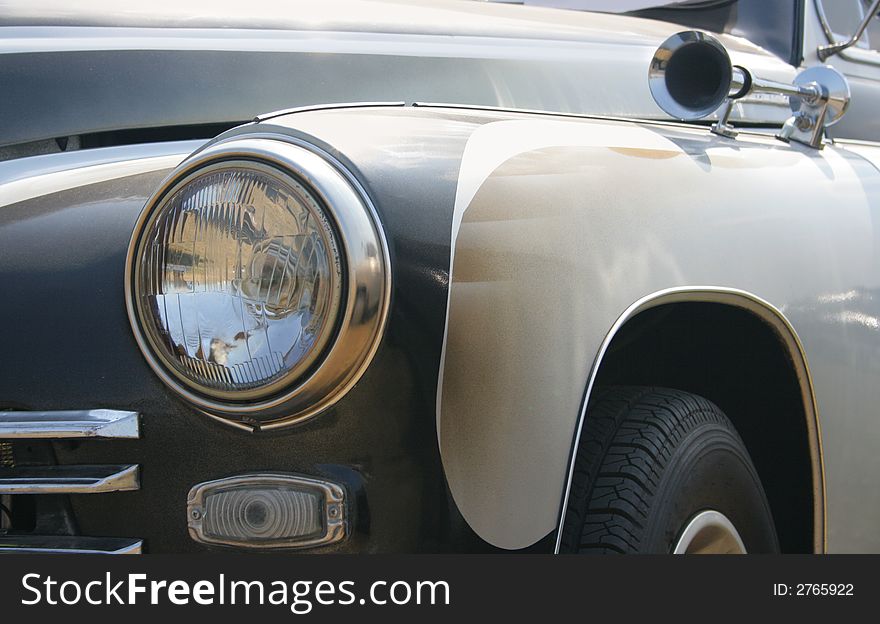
x=626 y=443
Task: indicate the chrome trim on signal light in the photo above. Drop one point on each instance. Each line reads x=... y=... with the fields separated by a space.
x=366 y=296
x=332 y=507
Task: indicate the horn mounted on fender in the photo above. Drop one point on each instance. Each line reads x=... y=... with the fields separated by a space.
x=691 y=77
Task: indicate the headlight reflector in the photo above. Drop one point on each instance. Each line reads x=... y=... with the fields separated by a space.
x=239 y=279
x=258 y=281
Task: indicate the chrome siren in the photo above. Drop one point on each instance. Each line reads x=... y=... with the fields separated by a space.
x=691 y=77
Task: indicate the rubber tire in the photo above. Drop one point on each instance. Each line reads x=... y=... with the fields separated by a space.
x=649 y=460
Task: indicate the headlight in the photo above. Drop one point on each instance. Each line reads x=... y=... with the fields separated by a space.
x=239 y=279
x=257 y=281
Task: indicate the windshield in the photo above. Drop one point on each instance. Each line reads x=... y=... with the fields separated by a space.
x=773 y=25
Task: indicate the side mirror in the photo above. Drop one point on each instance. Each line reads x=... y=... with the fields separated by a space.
x=833 y=48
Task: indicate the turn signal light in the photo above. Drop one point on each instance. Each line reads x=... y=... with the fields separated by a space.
x=267 y=511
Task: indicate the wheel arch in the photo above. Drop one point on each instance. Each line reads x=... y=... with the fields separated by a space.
x=747 y=305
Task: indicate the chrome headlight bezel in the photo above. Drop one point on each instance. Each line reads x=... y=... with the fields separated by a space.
x=365 y=284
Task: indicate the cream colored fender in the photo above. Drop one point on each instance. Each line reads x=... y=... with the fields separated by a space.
x=562 y=226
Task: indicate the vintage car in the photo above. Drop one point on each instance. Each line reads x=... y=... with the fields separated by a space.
x=494 y=278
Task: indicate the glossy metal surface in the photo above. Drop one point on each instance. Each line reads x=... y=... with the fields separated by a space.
x=551 y=243
x=68 y=545
x=709 y=533
x=365 y=299
x=690 y=76
x=264 y=117
x=69 y=479
x=824 y=98
x=53 y=252
x=835 y=47
x=539 y=198
x=833 y=99
x=320 y=497
x=26 y=178
x=688 y=55
x=238 y=279
x=98 y=423
x=96 y=68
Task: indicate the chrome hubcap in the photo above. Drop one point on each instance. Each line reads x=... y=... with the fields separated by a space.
x=709 y=533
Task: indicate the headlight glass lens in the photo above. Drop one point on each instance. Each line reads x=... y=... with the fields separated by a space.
x=238 y=280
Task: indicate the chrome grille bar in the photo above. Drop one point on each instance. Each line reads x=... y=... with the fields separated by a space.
x=97 y=423
x=73 y=545
x=53 y=479
x=69 y=479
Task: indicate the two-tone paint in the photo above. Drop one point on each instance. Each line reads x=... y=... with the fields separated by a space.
x=71 y=70
x=520 y=245
x=562 y=228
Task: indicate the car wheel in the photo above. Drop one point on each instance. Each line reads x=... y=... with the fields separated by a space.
x=664 y=471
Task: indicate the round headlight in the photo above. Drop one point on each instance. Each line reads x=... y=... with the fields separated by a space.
x=245 y=273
